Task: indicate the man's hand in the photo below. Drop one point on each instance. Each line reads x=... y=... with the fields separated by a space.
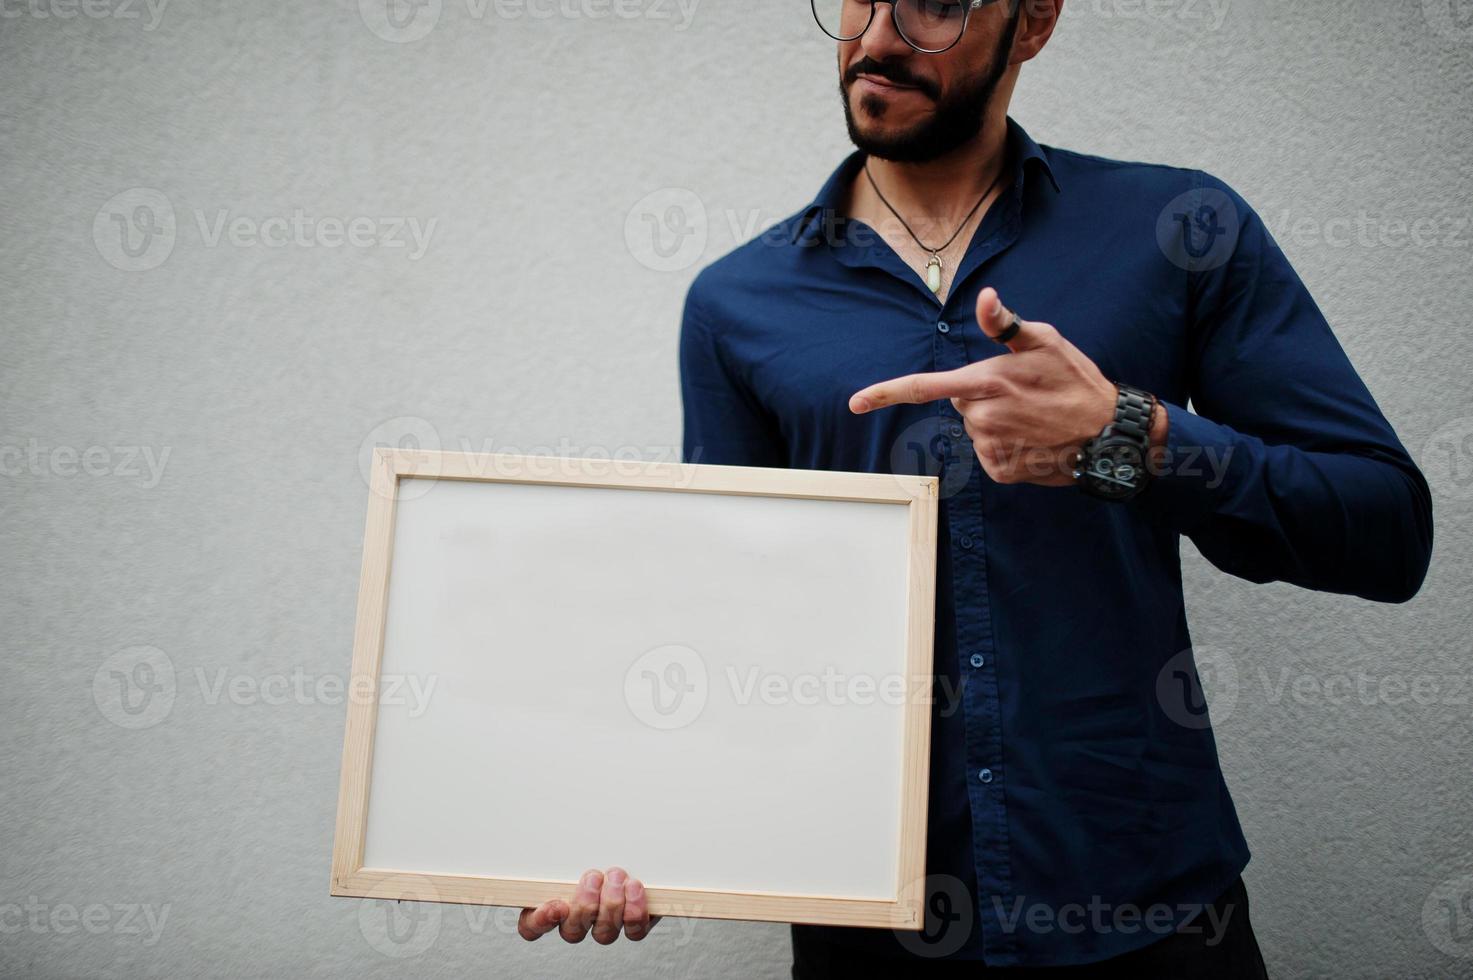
x=603 y=904
x=1027 y=413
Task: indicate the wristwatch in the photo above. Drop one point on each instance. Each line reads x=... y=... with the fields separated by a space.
x=1112 y=465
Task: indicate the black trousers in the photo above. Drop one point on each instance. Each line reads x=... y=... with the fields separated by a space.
x=1196 y=953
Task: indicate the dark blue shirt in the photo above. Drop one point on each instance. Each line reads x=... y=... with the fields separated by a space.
x=1077 y=807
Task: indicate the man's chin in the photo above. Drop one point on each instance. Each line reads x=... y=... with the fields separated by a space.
x=871 y=132
x=900 y=133
x=885 y=142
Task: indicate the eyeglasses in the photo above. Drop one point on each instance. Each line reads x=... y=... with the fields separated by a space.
x=929 y=26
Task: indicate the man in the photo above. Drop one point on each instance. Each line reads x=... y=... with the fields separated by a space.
x=1078 y=814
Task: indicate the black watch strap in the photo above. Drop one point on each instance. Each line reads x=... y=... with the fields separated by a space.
x=1134 y=410
x=1113 y=465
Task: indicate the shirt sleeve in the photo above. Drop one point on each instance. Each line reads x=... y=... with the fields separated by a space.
x=1288 y=470
x=723 y=422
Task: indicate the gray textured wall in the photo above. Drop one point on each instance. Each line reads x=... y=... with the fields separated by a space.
x=182 y=428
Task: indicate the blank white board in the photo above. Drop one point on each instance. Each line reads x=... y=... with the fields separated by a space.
x=714 y=677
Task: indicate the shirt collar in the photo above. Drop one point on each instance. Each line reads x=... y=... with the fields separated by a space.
x=1029 y=154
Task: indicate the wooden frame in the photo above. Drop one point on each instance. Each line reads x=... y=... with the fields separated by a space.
x=389 y=467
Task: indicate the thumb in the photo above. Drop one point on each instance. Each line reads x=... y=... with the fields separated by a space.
x=1003 y=326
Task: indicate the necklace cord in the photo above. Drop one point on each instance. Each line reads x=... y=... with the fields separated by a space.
x=934 y=251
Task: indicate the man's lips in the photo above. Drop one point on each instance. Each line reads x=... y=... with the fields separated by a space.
x=878 y=80
x=885 y=83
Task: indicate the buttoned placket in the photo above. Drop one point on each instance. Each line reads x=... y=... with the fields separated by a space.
x=963 y=518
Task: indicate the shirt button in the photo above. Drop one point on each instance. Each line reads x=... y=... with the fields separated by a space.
x=966 y=542
x=955 y=431
x=944 y=327
x=985 y=775
x=977 y=660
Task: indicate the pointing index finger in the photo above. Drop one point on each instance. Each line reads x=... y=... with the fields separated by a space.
x=912 y=389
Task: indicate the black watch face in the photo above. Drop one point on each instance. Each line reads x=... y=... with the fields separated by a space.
x=1113 y=470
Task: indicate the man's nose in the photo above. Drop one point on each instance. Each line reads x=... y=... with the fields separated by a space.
x=882 y=41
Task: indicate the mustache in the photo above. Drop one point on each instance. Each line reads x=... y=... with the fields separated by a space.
x=889 y=72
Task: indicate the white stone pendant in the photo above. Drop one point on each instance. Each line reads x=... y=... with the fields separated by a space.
x=933 y=274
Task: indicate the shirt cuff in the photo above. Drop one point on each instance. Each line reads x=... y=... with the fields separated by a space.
x=1197 y=473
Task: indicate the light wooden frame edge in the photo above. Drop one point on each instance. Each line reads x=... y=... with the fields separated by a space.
x=919 y=493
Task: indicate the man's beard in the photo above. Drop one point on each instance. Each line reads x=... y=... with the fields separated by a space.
x=956 y=119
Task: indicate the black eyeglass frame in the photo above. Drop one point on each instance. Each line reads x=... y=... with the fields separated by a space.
x=967 y=7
